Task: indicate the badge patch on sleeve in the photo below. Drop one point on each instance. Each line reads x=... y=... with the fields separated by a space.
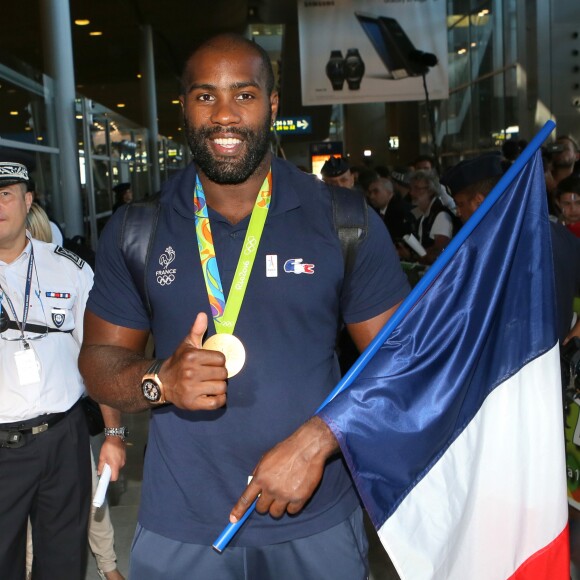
x=79 y=262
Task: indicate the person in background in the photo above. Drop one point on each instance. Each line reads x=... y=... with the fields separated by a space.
x=471 y=181
x=336 y=171
x=427 y=163
x=434 y=229
x=123 y=195
x=510 y=150
x=568 y=202
x=38 y=224
x=381 y=196
x=564 y=156
x=57 y=236
x=210 y=427
x=424 y=163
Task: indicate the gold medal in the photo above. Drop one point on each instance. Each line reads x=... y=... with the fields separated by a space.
x=232 y=348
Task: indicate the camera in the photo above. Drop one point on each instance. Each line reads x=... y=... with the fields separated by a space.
x=554 y=148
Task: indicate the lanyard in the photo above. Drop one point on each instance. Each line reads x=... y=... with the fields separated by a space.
x=22 y=325
x=225 y=314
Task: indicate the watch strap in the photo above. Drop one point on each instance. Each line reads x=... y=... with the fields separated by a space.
x=155 y=366
x=120 y=432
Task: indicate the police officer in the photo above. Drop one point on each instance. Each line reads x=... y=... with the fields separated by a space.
x=336 y=171
x=45 y=471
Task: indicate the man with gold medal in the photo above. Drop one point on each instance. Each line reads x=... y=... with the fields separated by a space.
x=247 y=288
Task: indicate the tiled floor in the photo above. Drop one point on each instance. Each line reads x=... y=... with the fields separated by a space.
x=124 y=498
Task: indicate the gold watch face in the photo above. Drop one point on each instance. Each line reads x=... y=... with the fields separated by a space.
x=151 y=390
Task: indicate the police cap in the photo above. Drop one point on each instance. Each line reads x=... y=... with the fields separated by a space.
x=334 y=167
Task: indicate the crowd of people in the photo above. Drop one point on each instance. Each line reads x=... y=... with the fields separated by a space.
x=417 y=200
x=243 y=287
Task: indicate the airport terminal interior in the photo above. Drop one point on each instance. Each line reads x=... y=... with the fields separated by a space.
x=89 y=100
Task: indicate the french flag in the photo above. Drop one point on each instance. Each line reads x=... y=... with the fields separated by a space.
x=453 y=430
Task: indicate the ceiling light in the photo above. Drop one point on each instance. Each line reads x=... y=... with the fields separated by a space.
x=14 y=113
x=120 y=105
x=82 y=21
x=175 y=102
x=40 y=138
x=138 y=75
x=95 y=33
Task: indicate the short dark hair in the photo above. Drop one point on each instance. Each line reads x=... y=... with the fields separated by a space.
x=368 y=176
x=235 y=39
x=483 y=187
x=570 y=184
x=428 y=158
x=510 y=149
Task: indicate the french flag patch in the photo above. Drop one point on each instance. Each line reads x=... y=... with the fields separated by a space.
x=295 y=266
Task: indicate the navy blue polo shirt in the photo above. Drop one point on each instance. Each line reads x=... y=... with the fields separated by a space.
x=197 y=463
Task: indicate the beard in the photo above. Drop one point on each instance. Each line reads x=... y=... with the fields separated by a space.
x=229 y=170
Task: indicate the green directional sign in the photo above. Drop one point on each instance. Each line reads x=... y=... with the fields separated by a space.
x=291 y=125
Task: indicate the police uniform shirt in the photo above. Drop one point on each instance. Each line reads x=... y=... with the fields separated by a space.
x=59 y=289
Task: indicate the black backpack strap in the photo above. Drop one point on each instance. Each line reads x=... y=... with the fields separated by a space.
x=350 y=217
x=137 y=235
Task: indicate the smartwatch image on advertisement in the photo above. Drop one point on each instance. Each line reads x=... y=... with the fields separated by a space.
x=335 y=70
x=354 y=68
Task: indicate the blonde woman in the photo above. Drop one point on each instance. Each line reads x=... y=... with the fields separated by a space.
x=38 y=224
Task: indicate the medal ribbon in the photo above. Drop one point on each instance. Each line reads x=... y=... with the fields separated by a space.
x=225 y=314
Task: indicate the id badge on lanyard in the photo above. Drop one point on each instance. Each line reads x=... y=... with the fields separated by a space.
x=27 y=365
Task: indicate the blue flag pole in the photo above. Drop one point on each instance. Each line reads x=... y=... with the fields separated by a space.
x=410 y=301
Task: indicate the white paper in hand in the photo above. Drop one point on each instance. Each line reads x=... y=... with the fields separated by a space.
x=414 y=244
x=101 y=490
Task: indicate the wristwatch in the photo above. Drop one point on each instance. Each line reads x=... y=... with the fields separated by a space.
x=151 y=384
x=121 y=432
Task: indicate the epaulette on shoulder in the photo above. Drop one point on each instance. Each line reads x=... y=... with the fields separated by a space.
x=76 y=260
